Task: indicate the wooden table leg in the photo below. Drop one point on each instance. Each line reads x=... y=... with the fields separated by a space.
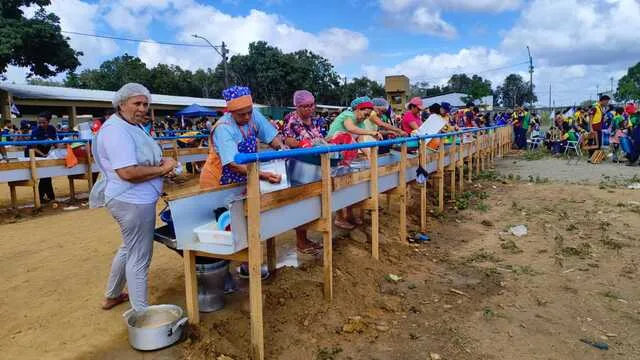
x=375 y=225
x=14 y=197
x=402 y=186
x=255 y=262
x=272 y=258
x=191 y=286
x=423 y=188
x=327 y=235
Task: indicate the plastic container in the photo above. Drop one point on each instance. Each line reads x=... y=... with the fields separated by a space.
x=279 y=167
x=210 y=234
x=224 y=221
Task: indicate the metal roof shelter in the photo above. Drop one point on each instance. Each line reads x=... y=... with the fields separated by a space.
x=72 y=98
x=455 y=99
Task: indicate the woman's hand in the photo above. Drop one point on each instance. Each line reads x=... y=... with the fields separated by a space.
x=167 y=164
x=377 y=135
x=272 y=178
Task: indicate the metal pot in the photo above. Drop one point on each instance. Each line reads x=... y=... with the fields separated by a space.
x=155 y=327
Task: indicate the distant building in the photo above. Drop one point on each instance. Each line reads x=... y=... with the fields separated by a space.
x=397 y=88
x=455 y=99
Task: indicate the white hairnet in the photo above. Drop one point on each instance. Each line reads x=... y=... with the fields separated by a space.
x=129 y=90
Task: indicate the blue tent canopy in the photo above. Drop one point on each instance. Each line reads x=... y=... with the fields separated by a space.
x=196 y=110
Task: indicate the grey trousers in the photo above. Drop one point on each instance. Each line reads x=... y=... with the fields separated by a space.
x=131 y=263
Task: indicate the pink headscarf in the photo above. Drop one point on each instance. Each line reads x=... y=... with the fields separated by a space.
x=303 y=97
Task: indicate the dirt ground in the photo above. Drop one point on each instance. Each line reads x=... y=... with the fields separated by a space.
x=474 y=291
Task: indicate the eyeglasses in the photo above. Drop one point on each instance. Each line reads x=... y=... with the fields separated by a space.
x=307 y=106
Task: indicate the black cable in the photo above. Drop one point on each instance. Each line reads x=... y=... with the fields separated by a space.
x=135 y=40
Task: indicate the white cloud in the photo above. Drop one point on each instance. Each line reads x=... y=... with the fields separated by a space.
x=437 y=69
x=461 y=5
x=591 y=32
x=79 y=16
x=336 y=44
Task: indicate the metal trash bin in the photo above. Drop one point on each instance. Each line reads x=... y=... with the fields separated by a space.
x=210 y=276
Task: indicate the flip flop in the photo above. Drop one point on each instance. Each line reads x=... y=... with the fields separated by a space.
x=345 y=225
x=124 y=297
x=308 y=251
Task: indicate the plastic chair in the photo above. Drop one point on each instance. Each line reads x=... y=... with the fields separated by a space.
x=535 y=140
x=575 y=146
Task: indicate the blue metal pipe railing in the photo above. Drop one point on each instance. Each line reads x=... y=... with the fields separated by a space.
x=244 y=158
x=53 y=142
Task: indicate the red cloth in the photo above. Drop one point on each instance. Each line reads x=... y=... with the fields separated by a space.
x=341 y=139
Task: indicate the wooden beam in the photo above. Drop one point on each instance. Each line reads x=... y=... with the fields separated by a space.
x=34 y=178
x=291 y=195
x=327 y=236
x=375 y=225
x=89 y=166
x=441 y=177
x=423 y=188
x=272 y=258
x=452 y=166
x=255 y=262
x=5 y=105
x=402 y=186
x=73 y=116
x=470 y=160
x=191 y=286
x=240 y=256
x=460 y=164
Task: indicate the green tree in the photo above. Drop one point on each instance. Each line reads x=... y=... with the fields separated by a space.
x=114 y=73
x=629 y=85
x=515 y=92
x=36 y=43
x=362 y=86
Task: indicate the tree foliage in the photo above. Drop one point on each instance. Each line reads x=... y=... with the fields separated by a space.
x=475 y=87
x=629 y=85
x=514 y=91
x=36 y=43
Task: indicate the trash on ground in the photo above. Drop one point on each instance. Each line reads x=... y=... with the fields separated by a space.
x=519 y=230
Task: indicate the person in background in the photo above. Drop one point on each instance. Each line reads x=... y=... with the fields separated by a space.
x=345 y=129
x=238 y=131
x=378 y=119
x=44 y=131
x=617 y=131
x=302 y=131
x=597 y=115
x=411 y=119
x=130 y=185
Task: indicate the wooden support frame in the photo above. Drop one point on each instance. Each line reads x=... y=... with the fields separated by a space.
x=440 y=177
x=478 y=148
x=375 y=221
x=452 y=167
x=423 y=188
x=255 y=261
x=32 y=182
x=460 y=165
x=470 y=160
x=327 y=236
x=402 y=187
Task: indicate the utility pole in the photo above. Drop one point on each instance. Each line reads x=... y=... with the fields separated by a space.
x=611 y=85
x=530 y=77
x=549 y=95
x=597 y=91
x=223 y=52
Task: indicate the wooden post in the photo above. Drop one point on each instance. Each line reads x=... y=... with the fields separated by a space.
x=5 y=105
x=483 y=143
x=470 y=160
x=175 y=149
x=272 y=259
x=423 y=188
x=255 y=261
x=14 y=197
x=452 y=166
x=34 y=177
x=441 y=176
x=478 y=148
x=375 y=225
x=402 y=186
x=72 y=188
x=191 y=286
x=89 y=166
x=328 y=223
x=73 y=117
x=460 y=165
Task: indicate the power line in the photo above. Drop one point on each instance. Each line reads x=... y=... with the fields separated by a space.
x=473 y=72
x=135 y=40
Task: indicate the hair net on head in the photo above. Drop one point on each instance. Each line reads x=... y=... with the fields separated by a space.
x=303 y=97
x=129 y=90
x=380 y=102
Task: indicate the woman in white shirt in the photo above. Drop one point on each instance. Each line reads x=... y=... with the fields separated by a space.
x=132 y=171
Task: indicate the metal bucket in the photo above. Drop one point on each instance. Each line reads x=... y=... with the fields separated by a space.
x=155 y=327
x=211 y=285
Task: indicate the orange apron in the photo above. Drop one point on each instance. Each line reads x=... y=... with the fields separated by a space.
x=212 y=170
